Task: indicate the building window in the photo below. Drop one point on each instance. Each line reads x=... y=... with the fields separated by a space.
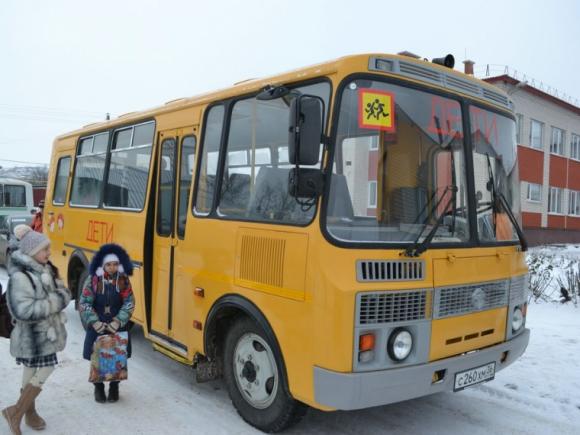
x=575 y=147
x=372 y=194
x=555 y=200
x=574 y=203
x=536 y=131
x=557 y=143
x=519 y=127
x=534 y=192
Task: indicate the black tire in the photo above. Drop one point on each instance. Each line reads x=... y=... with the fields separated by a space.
x=283 y=411
x=79 y=290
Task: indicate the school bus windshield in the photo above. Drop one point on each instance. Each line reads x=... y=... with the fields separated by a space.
x=399 y=164
x=493 y=137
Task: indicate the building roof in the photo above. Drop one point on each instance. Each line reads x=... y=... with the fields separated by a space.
x=534 y=91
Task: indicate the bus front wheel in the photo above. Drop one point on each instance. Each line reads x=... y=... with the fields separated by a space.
x=256 y=380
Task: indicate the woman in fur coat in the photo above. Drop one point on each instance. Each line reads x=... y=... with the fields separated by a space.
x=36 y=299
x=106 y=304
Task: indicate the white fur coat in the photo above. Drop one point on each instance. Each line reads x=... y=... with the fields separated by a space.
x=37 y=309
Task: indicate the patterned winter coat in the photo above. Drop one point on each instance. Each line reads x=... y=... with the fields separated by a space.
x=98 y=292
x=37 y=307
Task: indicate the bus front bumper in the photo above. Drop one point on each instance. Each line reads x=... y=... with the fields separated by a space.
x=347 y=391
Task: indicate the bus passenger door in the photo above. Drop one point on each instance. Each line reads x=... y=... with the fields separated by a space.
x=174 y=145
x=163 y=239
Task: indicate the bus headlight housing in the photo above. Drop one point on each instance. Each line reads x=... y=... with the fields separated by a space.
x=400 y=344
x=517 y=319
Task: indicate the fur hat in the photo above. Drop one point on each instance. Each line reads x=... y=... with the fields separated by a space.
x=31 y=242
x=110 y=258
x=107 y=253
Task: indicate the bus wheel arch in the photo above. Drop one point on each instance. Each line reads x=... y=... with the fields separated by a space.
x=224 y=312
x=78 y=269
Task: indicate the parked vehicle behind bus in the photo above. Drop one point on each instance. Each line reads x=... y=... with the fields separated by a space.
x=341 y=236
x=16 y=197
x=7 y=237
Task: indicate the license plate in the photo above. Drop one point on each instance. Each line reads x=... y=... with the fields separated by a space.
x=474 y=376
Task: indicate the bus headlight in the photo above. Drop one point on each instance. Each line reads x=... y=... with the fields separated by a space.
x=517 y=319
x=400 y=344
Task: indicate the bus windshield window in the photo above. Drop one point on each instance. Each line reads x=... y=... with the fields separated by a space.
x=496 y=172
x=399 y=167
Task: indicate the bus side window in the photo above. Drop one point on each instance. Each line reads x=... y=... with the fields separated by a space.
x=126 y=185
x=255 y=178
x=89 y=169
x=185 y=176
x=206 y=178
x=61 y=181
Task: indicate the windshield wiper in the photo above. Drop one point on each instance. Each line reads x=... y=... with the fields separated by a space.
x=503 y=201
x=416 y=248
x=499 y=199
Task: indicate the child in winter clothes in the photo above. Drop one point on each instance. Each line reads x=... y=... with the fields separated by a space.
x=36 y=298
x=106 y=304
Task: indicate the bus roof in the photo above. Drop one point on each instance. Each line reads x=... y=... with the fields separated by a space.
x=360 y=61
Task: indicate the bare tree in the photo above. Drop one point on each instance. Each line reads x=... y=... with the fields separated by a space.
x=541 y=275
x=570 y=283
x=38 y=175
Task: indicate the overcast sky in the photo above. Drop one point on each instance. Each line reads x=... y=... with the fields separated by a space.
x=66 y=63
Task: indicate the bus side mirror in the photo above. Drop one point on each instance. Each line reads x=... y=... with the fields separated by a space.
x=305 y=130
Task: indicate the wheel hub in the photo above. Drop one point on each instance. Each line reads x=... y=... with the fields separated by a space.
x=255 y=370
x=249 y=371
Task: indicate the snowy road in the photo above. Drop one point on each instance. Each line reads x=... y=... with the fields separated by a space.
x=540 y=394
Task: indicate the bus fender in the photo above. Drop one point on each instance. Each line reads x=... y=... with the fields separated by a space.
x=221 y=315
x=77 y=265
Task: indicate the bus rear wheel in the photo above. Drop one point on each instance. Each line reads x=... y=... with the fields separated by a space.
x=256 y=380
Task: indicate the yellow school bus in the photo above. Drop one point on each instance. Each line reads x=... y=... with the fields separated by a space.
x=341 y=236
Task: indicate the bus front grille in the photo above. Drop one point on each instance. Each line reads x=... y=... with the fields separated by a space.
x=391 y=307
x=390 y=270
x=459 y=300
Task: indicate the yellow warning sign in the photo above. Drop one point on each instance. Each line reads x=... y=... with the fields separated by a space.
x=376 y=110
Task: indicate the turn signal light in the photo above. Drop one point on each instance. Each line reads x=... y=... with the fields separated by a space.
x=366 y=342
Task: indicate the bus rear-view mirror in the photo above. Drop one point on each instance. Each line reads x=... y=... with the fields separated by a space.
x=305 y=130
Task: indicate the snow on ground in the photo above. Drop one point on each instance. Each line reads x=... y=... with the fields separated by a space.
x=539 y=394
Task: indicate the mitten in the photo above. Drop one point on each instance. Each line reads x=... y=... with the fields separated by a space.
x=99 y=327
x=114 y=326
